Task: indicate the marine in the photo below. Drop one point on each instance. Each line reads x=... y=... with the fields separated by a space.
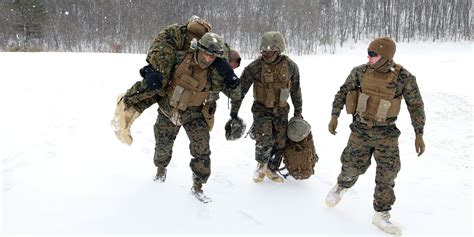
x=372 y=94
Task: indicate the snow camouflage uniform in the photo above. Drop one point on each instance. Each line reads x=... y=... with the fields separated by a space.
x=270 y=124
x=380 y=138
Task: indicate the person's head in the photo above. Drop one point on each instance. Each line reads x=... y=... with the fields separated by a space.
x=209 y=48
x=197 y=26
x=271 y=46
x=382 y=48
x=373 y=57
x=234 y=59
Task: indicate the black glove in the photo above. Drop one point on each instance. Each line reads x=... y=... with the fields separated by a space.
x=233 y=115
x=152 y=77
x=298 y=114
x=224 y=69
x=232 y=83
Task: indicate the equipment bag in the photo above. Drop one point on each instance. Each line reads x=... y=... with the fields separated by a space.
x=300 y=158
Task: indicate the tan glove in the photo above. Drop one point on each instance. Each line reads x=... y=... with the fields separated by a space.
x=419 y=144
x=333 y=125
x=123 y=120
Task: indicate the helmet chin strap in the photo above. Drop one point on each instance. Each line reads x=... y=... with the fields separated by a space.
x=272 y=59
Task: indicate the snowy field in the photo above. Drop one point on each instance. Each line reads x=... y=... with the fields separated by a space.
x=65 y=173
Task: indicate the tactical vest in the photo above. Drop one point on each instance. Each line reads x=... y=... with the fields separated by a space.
x=189 y=85
x=273 y=88
x=376 y=100
x=300 y=158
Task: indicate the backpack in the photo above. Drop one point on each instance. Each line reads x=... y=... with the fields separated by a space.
x=300 y=158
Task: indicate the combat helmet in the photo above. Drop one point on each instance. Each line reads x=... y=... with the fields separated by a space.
x=234 y=129
x=298 y=129
x=198 y=26
x=272 y=41
x=212 y=44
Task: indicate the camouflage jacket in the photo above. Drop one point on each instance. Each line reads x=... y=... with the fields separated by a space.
x=253 y=73
x=170 y=44
x=406 y=87
x=165 y=47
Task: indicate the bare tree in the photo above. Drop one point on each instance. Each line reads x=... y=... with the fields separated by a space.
x=310 y=26
x=27 y=18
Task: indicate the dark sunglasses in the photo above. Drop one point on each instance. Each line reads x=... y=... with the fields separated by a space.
x=372 y=53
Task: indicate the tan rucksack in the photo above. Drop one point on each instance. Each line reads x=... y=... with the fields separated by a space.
x=300 y=157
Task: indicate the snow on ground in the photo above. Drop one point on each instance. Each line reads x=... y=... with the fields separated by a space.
x=64 y=172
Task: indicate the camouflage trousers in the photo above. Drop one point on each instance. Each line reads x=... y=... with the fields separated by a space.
x=140 y=96
x=198 y=134
x=270 y=134
x=382 y=143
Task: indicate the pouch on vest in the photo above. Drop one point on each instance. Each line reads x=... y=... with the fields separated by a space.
x=177 y=93
x=284 y=94
x=268 y=77
x=362 y=102
x=382 y=110
x=208 y=111
x=394 y=109
x=270 y=97
x=189 y=82
x=300 y=158
x=351 y=101
x=197 y=98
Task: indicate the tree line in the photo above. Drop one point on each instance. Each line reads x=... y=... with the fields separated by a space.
x=310 y=26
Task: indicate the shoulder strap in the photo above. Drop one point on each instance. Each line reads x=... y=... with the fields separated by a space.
x=396 y=71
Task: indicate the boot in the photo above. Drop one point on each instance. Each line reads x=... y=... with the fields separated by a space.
x=335 y=195
x=196 y=191
x=382 y=220
x=274 y=176
x=160 y=174
x=123 y=120
x=259 y=173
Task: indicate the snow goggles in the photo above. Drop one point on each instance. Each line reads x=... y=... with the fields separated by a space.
x=372 y=53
